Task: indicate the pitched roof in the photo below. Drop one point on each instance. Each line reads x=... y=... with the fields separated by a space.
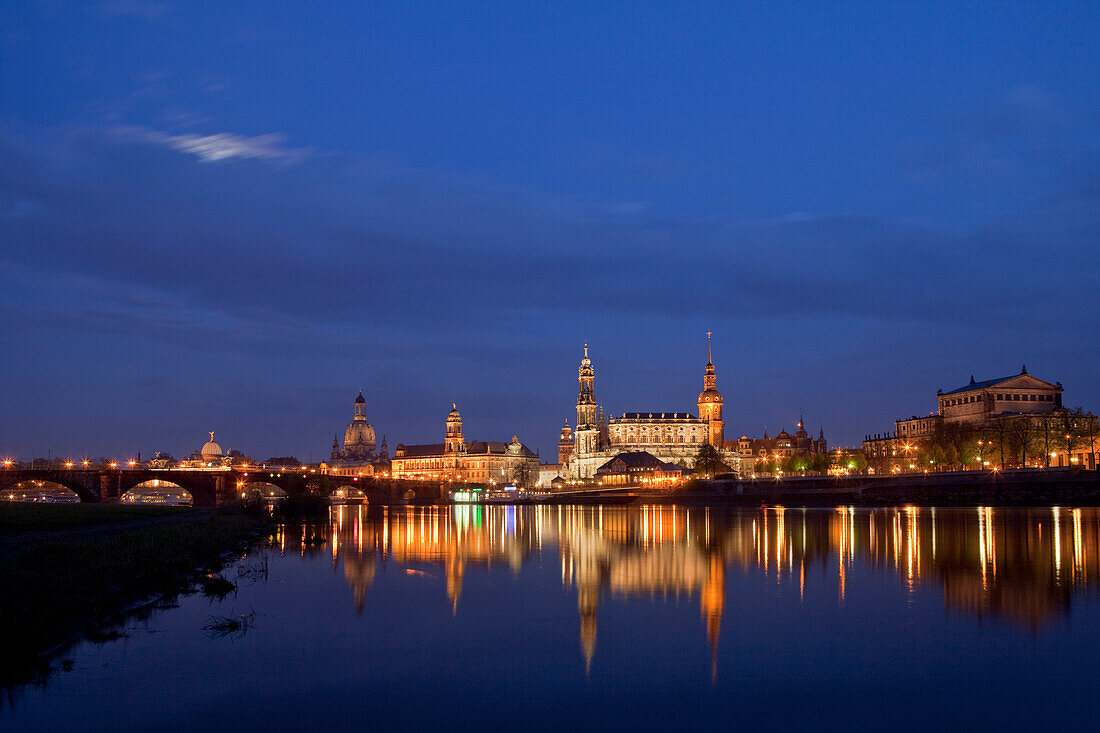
x=484 y=447
x=999 y=380
x=981 y=385
x=639 y=459
x=419 y=451
x=476 y=447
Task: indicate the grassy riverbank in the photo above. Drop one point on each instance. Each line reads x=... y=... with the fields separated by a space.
x=68 y=571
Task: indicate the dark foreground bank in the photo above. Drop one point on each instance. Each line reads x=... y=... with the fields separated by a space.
x=69 y=572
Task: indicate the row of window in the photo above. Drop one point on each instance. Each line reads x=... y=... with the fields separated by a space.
x=1026 y=397
x=1004 y=397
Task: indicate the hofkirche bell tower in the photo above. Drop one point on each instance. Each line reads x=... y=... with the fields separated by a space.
x=671 y=437
x=586 y=438
x=710 y=403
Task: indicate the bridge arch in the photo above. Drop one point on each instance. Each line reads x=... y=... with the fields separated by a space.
x=349 y=493
x=158 y=491
x=40 y=492
x=265 y=490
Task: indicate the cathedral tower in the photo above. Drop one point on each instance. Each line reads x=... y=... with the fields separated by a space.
x=710 y=403
x=565 y=445
x=455 y=443
x=587 y=436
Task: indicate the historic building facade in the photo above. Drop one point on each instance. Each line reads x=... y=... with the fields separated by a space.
x=487 y=462
x=783 y=444
x=671 y=437
x=1019 y=407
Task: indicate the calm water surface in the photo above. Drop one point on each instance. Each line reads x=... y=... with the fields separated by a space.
x=613 y=617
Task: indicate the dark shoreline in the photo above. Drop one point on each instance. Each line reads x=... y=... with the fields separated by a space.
x=62 y=582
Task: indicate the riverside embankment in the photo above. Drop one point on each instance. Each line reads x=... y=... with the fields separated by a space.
x=69 y=571
x=1047 y=487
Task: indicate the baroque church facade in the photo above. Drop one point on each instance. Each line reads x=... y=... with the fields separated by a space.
x=671 y=437
x=361 y=454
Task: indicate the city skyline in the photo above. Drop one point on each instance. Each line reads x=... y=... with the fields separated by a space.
x=222 y=217
x=545 y=445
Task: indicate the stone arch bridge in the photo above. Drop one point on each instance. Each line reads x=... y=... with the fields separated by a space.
x=215 y=488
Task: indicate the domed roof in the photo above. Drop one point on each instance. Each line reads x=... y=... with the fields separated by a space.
x=359 y=400
x=454 y=412
x=211 y=449
x=710 y=395
x=359 y=434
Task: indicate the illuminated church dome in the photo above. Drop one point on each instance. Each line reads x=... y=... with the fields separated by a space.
x=211 y=450
x=359 y=438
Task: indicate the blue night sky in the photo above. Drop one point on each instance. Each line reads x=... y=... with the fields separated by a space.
x=232 y=216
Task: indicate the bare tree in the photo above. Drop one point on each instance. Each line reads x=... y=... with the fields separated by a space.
x=1022 y=437
x=1047 y=427
x=1071 y=428
x=998 y=435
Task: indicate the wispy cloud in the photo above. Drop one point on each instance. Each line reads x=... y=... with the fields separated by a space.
x=225 y=145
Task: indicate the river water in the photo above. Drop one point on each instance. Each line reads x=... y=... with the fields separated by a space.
x=618 y=617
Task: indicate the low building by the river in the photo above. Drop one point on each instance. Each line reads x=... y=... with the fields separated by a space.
x=638 y=468
x=782 y=444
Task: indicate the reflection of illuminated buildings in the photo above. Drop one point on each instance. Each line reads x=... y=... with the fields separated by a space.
x=1019 y=564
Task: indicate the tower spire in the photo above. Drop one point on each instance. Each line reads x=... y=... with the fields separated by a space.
x=709 y=360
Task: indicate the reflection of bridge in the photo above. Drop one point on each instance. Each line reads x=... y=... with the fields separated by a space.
x=1019 y=564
